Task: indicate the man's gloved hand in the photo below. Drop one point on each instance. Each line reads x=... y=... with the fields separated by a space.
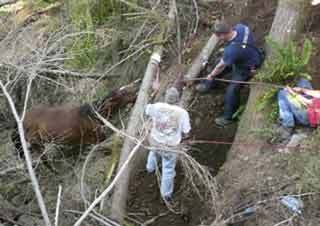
x=298 y=89
x=156 y=85
x=210 y=77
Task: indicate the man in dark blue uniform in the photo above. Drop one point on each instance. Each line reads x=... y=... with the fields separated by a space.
x=242 y=56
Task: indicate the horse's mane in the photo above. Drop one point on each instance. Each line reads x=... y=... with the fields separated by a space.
x=87 y=110
x=97 y=104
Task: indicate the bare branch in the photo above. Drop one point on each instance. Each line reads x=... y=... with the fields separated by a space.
x=58 y=206
x=197 y=16
x=28 y=158
x=7 y=2
x=110 y=187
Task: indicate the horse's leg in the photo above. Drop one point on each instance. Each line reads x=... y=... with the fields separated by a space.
x=45 y=160
x=109 y=112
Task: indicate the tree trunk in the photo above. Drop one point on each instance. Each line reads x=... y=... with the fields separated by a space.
x=288 y=22
x=121 y=189
x=196 y=67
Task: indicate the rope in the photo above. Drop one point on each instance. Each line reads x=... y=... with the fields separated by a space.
x=192 y=142
x=238 y=82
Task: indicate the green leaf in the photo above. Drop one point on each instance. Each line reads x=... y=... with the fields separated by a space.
x=306 y=52
x=306 y=76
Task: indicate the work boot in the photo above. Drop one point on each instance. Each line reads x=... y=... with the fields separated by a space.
x=221 y=121
x=284 y=133
x=202 y=88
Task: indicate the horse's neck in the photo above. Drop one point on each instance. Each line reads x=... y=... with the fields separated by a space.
x=87 y=110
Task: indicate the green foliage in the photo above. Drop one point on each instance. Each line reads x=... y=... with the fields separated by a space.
x=267 y=103
x=103 y=10
x=288 y=64
x=120 y=30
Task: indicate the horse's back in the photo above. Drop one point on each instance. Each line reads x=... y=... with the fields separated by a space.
x=52 y=123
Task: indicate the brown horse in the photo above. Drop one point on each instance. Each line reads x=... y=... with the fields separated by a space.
x=72 y=125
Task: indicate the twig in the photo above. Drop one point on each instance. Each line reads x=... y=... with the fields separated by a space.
x=122 y=61
x=237 y=82
x=58 y=206
x=83 y=172
x=12 y=169
x=28 y=158
x=67 y=73
x=178 y=31
x=265 y=201
x=103 y=220
x=5 y=218
x=285 y=221
x=7 y=2
x=197 y=16
x=152 y=220
x=110 y=187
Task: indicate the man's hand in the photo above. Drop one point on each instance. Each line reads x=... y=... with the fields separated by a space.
x=156 y=85
x=217 y=70
x=298 y=89
x=210 y=77
x=186 y=138
x=290 y=90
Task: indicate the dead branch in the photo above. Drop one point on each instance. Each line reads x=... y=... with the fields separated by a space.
x=7 y=2
x=197 y=16
x=197 y=65
x=112 y=184
x=97 y=217
x=26 y=152
x=152 y=220
x=58 y=206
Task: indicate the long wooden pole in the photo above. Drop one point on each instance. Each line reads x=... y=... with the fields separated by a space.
x=119 y=197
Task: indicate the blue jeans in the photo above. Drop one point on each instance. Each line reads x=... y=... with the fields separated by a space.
x=232 y=95
x=289 y=113
x=168 y=170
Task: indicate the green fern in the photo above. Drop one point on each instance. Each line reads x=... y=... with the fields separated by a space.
x=289 y=63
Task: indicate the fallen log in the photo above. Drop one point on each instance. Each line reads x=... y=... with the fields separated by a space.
x=197 y=66
x=120 y=194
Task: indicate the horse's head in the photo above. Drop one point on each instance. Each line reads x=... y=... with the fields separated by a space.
x=118 y=98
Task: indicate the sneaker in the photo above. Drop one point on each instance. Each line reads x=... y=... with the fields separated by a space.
x=202 y=88
x=168 y=199
x=221 y=121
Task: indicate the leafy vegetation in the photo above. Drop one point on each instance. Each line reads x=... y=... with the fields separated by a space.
x=288 y=64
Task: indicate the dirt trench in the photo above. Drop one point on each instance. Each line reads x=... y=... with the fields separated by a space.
x=144 y=200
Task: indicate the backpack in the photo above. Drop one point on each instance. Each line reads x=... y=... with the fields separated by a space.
x=313 y=112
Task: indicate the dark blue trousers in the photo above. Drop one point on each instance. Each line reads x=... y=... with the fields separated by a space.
x=232 y=94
